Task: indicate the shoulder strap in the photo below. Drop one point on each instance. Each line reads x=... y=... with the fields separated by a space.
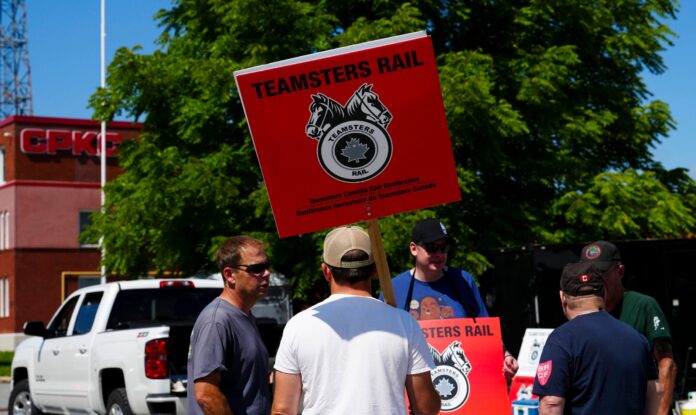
x=458 y=294
x=409 y=294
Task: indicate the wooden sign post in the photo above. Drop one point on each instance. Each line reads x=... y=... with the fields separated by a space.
x=381 y=262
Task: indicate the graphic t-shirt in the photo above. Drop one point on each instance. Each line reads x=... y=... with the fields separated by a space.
x=442 y=298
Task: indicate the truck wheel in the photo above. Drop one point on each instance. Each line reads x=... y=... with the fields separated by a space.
x=20 y=400
x=117 y=404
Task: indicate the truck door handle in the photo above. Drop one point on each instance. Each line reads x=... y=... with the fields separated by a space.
x=56 y=351
x=83 y=349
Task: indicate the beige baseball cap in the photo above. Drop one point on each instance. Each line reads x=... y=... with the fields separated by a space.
x=347 y=238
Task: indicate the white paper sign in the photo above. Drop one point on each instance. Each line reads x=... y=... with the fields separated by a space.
x=530 y=351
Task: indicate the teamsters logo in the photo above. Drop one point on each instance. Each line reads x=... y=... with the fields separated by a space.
x=354 y=145
x=450 y=376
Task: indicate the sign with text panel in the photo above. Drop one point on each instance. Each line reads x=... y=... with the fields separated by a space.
x=530 y=351
x=351 y=134
x=468 y=355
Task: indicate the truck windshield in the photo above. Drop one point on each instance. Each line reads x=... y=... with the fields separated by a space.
x=154 y=307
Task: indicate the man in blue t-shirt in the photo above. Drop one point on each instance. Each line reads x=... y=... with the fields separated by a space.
x=594 y=363
x=228 y=362
x=433 y=290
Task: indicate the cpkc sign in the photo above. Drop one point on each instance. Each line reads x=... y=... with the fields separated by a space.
x=51 y=141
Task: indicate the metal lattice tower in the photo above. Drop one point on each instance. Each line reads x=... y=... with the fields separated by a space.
x=15 y=81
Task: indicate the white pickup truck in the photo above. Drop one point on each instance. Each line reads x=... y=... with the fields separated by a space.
x=116 y=348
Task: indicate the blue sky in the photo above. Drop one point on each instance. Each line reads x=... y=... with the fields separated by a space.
x=64 y=48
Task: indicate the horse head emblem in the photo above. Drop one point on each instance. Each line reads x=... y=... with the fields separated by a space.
x=524 y=392
x=324 y=113
x=365 y=104
x=353 y=142
x=454 y=356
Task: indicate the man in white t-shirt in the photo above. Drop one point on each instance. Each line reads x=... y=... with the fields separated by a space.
x=351 y=353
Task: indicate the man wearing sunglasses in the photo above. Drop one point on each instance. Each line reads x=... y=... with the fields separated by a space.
x=228 y=362
x=434 y=290
x=351 y=353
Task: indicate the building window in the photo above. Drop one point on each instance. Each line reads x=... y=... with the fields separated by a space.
x=4 y=230
x=88 y=281
x=85 y=222
x=4 y=297
x=2 y=164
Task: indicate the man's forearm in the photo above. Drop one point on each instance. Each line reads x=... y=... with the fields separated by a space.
x=652 y=397
x=288 y=389
x=211 y=400
x=551 y=405
x=215 y=405
x=667 y=374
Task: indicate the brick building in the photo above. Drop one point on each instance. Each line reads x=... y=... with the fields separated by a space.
x=49 y=184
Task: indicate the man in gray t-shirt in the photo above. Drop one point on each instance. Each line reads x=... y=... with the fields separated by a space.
x=228 y=362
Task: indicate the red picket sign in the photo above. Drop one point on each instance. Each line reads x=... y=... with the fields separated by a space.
x=351 y=134
x=469 y=365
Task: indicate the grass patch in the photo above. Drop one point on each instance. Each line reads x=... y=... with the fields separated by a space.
x=6 y=363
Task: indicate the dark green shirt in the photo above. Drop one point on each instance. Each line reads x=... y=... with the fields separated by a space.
x=644 y=314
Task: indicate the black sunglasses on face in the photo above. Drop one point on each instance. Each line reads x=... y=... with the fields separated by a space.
x=256 y=269
x=432 y=247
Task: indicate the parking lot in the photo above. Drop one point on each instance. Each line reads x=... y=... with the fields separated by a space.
x=4 y=394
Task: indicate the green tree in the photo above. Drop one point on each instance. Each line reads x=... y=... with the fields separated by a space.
x=622 y=205
x=192 y=178
x=542 y=96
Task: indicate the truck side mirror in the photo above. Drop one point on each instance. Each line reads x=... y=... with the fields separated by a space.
x=35 y=328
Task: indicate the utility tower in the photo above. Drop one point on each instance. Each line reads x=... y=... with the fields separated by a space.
x=15 y=73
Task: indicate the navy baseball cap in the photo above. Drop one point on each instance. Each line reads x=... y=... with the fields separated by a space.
x=429 y=230
x=601 y=253
x=581 y=279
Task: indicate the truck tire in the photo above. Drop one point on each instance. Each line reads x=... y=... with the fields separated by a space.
x=117 y=404
x=20 y=400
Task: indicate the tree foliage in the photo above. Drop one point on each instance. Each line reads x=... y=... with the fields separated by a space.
x=550 y=121
x=622 y=205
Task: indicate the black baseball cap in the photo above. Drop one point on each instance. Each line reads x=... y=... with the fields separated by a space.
x=581 y=279
x=429 y=230
x=601 y=253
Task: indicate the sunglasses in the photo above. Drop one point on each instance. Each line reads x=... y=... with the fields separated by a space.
x=256 y=269
x=432 y=247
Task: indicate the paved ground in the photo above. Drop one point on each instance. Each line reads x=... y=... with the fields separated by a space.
x=4 y=394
